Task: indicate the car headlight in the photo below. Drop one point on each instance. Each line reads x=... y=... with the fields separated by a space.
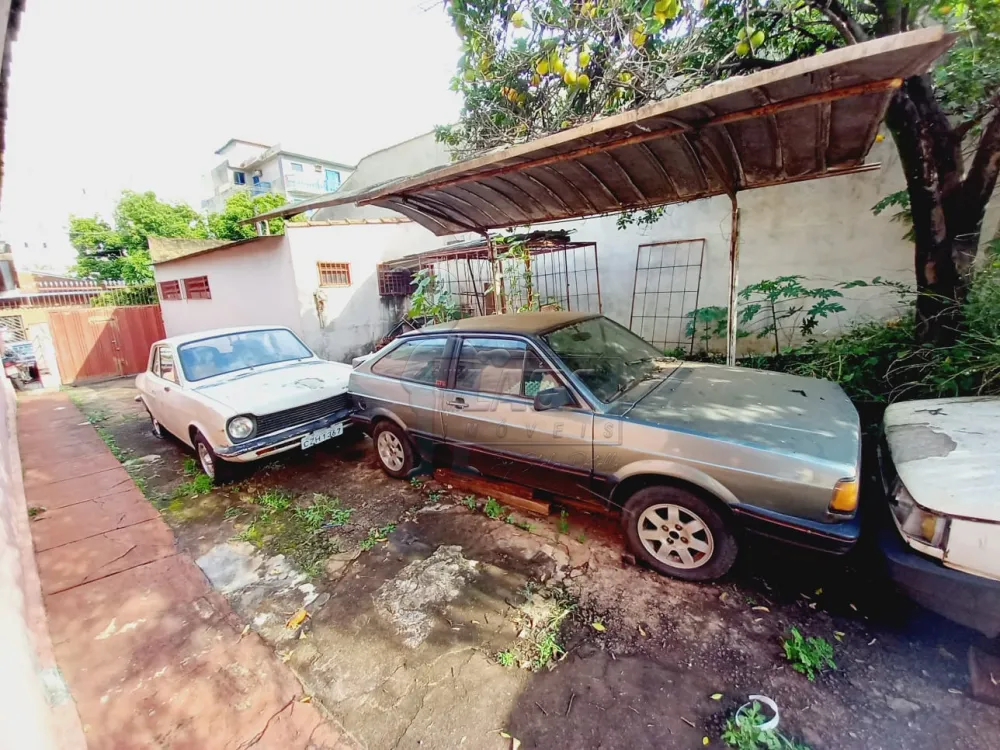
x=914 y=522
x=240 y=428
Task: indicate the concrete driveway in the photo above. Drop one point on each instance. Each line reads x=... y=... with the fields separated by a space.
x=430 y=624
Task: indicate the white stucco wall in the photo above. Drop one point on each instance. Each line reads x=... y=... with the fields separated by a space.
x=25 y=719
x=251 y=284
x=353 y=317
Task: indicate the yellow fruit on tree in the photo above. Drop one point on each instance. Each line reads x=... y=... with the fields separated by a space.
x=661 y=17
x=638 y=38
x=944 y=10
x=742 y=49
x=661 y=6
x=586 y=8
x=542 y=68
x=536 y=79
x=518 y=20
x=583 y=81
x=565 y=124
x=742 y=33
x=757 y=39
x=569 y=77
x=557 y=66
x=584 y=59
x=469 y=74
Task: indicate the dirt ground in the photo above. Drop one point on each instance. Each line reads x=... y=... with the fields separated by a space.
x=426 y=616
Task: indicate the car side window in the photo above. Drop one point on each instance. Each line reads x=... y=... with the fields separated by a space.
x=419 y=360
x=538 y=376
x=491 y=366
x=166 y=362
x=154 y=365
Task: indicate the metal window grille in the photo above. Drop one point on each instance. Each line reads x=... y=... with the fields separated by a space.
x=665 y=292
x=334 y=274
x=14 y=326
x=170 y=290
x=197 y=288
x=393 y=283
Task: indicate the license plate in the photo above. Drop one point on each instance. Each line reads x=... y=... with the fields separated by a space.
x=320 y=436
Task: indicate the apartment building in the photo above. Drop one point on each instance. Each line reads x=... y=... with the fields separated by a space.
x=261 y=168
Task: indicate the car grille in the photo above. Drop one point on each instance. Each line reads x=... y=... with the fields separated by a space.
x=282 y=420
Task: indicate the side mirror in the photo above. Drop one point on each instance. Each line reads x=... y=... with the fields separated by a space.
x=552 y=398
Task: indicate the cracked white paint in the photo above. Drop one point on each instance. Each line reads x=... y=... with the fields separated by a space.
x=407 y=600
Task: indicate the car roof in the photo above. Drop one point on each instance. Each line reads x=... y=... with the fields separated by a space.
x=185 y=338
x=525 y=323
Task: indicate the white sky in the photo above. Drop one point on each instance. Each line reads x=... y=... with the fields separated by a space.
x=138 y=94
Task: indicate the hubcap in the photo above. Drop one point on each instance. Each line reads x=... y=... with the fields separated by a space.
x=207 y=462
x=675 y=536
x=390 y=451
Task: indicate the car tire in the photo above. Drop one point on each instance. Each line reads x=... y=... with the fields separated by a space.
x=679 y=533
x=155 y=427
x=215 y=468
x=393 y=449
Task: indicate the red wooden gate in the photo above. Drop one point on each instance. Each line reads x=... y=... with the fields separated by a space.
x=104 y=342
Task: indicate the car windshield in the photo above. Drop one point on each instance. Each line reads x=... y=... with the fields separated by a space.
x=231 y=352
x=608 y=358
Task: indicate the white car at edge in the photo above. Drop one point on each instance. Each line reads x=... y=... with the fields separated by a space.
x=240 y=394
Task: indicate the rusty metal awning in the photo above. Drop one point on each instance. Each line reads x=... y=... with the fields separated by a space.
x=811 y=118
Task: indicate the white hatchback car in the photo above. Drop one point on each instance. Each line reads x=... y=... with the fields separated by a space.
x=239 y=394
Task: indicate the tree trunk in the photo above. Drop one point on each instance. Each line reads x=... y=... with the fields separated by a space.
x=945 y=226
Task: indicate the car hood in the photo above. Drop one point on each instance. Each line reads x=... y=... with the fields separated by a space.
x=769 y=410
x=278 y=388
x=944 y=451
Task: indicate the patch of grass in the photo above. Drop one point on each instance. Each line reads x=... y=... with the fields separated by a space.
x=232 y=512
x=376 y=535
x=416 y=483
x=563 y=523
x=524 y=525
x=190 y=466
x=808 y=655
x=324 y=511
x=176 y=505
x=493 y=509
x=435 y=495
x=301 y=534
x=251 y=534
x=469 y=501
x=539 y=620
x=273 y=500
x=34 y=510
x=505 y=658
x=581 y=537
x=200 y=485
x=509 y=519
x=109 y=440
x=743 y=732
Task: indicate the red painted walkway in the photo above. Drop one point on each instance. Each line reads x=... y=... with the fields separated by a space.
x=152 y=655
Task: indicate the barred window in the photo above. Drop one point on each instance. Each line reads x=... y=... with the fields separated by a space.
x=197 y=288
x=334 y=274
x=170 y=290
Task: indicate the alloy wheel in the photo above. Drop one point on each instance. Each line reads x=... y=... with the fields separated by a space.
x=390 y=451
x=675 y=536
x=206 y=460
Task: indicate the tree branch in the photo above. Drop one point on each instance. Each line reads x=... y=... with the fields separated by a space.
x=982 y=176
x=841 y=19
x=963 y=128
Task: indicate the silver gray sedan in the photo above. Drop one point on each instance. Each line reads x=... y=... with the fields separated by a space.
x=692 y=455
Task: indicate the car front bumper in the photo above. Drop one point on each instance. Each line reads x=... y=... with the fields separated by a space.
x=964 y=598
x=832 y=538
x=279 y=442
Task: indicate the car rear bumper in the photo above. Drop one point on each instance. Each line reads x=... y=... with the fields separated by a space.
x=964 y=598
x=279 y=442
x=832 y=538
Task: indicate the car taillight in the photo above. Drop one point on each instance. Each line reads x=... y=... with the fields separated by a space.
x=845 y=496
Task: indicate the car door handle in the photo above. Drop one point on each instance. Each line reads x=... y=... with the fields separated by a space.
x=458 y=403
x=166 y=389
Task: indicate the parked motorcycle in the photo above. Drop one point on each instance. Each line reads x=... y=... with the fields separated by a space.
x=19 y=363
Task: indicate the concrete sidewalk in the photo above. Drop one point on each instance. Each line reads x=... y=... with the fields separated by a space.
x=152 y=655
